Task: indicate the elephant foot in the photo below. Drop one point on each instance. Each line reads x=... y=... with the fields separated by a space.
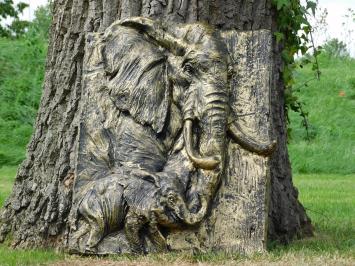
x=91 y=250
x=139 y=250
x=157 y=239
x=134 y=223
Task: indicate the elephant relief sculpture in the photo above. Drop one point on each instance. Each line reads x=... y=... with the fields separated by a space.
x=153 y=134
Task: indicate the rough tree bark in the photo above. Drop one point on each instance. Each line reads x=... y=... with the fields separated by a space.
x=36 y=212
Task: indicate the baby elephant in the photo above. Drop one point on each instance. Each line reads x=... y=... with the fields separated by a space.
x=142 y=201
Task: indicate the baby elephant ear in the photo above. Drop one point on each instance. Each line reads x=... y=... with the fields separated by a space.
x=137 y=75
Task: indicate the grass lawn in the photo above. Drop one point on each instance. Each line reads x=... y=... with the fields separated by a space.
x=329 y=199
x=330 y=103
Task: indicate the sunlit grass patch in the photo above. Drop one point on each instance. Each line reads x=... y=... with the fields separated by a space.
x=330 y=202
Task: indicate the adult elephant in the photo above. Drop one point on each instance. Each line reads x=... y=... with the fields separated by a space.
x=158 y=95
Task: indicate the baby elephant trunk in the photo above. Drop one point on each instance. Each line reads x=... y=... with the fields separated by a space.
x=192 y=219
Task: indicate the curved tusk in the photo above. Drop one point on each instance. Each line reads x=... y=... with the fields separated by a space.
x=207 y=163
x=248 y=143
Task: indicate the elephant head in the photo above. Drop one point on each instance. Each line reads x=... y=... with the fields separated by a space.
x=152 y=66
x=171 y=205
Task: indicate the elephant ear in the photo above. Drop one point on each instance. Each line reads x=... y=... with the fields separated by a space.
x=137 y=74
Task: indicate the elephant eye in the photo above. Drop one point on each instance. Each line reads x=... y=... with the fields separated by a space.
x=188 y=68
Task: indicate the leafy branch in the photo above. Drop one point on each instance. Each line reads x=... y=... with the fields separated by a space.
x=294 y=33
x=9 y=10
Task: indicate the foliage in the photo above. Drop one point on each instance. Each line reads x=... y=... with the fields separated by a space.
x=294 y=33
x=9 y=11
x=351 y=82
x=335 y=48
x=21 y=77
x=331 y=105
x=329 y=200
x=320 y=24
x=40 y=25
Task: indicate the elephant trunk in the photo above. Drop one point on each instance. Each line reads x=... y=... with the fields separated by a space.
x=213 y=140
x=190 y=218
x=211 y=143
x=210 y=112
x=211 y=146
x=213 y=124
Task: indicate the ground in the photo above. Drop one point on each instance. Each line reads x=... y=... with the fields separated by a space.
x=329 y=199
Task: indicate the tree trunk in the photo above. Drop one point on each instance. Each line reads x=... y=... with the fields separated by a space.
x=36 y=213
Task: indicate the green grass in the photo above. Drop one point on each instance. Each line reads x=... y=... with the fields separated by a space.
x=7 y=174
x=10 y=257
x=329 y=199
x=330 y=103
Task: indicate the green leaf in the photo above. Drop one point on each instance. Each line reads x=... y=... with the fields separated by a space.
x=21 y=6
x=279 y=36
x=306 y=29
x=281 y=3
x=312 y=5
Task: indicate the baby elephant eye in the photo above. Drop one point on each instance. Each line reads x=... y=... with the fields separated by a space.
x=171 y=198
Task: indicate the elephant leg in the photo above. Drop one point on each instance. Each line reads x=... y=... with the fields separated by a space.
x=134 y=223
x=158 y=240
x=96 y=233
x=80 y=233
x=91 y=210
